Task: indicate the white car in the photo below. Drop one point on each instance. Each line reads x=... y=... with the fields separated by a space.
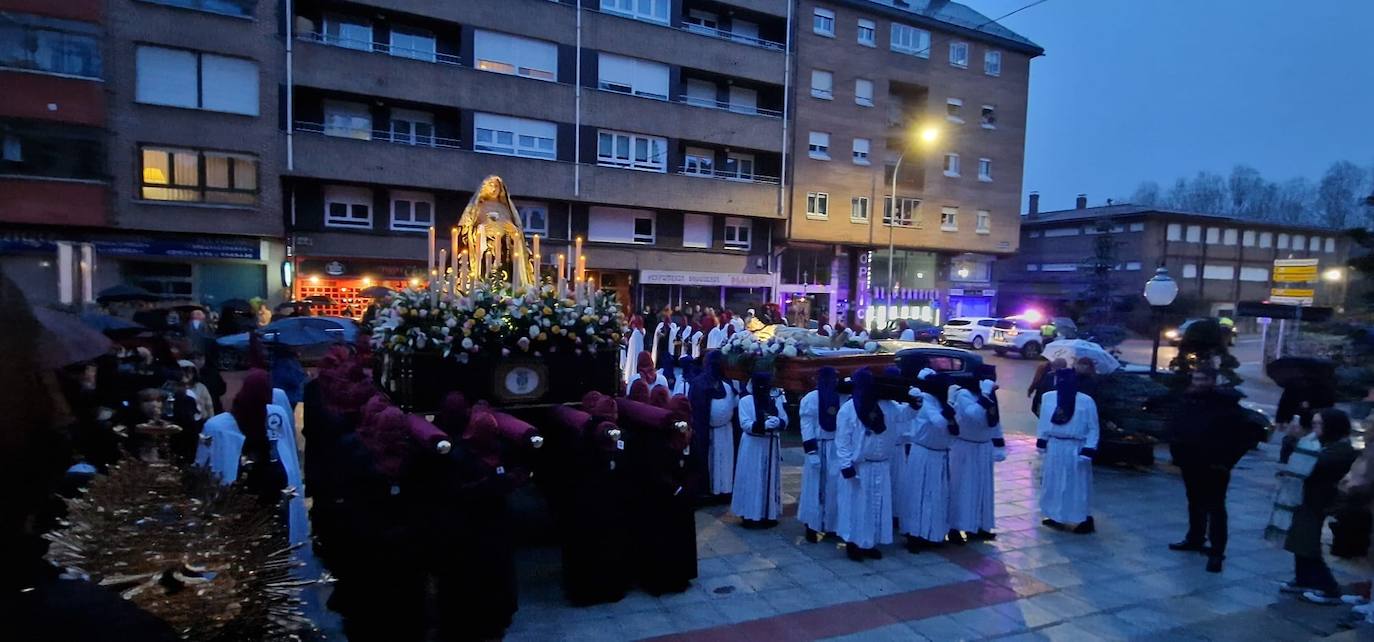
x=974 y=331
x=1017 y=334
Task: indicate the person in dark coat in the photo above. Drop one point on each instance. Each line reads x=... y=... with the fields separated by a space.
x=662 y=510
x=596 y=568
x=1312 y=577
x=1209 y=434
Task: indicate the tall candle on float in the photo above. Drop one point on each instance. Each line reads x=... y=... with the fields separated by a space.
x=577 y=255
x=429 y=267
x=559 y=281
x=581 y=267
x=453 y=256
x=443 y=262
x=535 y=251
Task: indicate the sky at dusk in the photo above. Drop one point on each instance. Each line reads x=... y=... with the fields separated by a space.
x=1133 y=90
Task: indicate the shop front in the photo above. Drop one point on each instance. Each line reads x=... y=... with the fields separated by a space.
x=339 y=282
x=911 y=292
x=689 y=290
x=971 y=292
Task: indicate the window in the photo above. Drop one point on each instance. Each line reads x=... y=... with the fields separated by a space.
x=985 y=170
x=1254 y=274
x=703 y=21
x=696 y=230
x=906 y=211
x=744 y=100
x=1299 y=242
x=739 y=166
x=958 y=54
x=949 y=219
x=737 y=233
x=1032 y=267
x=349 y=32
x=633 y=76
x=954 y=110
x=1190 y=271
x=411 y=211
x=1247 y=238
x=823 y=23
x=347 y=206
x=1329 y=246
x=1061 y=231
x=861 y=151
x=701 y=93
x=984 y=222
x=910 y=40
x=1133 y=266
x=242 y=8
x=992 y=63
x=1219 y=272
x=632 y=151
x=822 y=84
x=863 y=92
x=347 y=120
x=182 y=78
x=952 y=165
x=412 y=127
x=1266 y=239
x=1228 y=236
x=52 y=150
x=1194 y=233
x=1283 y=242
x=699 y=162
x=1059 y=267
x=1174 y=232
x=867 y=33
x=858 y=209
x=819 y=147
x=514 y=136
x=1136 y=227
x=534 y=217
x=621 y=225
x=988 y=119
x=53 y=46
x=817 y=205
x=507 y=54
x=1213 y=235
x=1314 y=244
x=650 y=10
x=198 y=176
x=412 y=42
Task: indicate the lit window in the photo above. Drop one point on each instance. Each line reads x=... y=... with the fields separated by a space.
x=988 y=119
x=992 y=63
x=906 y=211
x=817 y=205
x=737 y=233
x=1133 y=266
x=411 y=211
x=952 y=165
x=863 y=92
x=858 y=209
x=984 y=222
x=910 y=40
x=512 y=136
x=632 y=151
x=347 y=207
x=198 y=176
x=861 y=151
x=822 y=22
x=822 y=84
x=958 y=54
x=819 y=145
x=867 y=32
x=985 y=170
x=954 y=110
x=949 y=219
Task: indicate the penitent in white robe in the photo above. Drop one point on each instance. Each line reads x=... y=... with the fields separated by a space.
x=634 y=346
x=721 y=460
x=758 y=469
x=221 y=446
x=659 y=380
x=865 y=515
x=819 y=506
x=1066 y=480
x=924 y=511
x=971 y=458
x=676 y=387
x=663 y=328
x=715 y=338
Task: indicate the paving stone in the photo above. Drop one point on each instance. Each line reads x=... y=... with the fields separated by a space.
x=943 y=627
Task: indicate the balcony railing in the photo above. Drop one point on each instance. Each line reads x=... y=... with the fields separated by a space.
x=377 y=135
x=424 y=55
x=725 y=175
x=732 y=36
x=725 y=106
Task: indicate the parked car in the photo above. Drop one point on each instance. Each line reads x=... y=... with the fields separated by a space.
x=964 y=366
x=924 y=330
x=1175 y=335
x=972 y=331
x=1017 y=334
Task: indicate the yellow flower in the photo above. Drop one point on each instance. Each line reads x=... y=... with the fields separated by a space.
x=481 y=313
x=547 y=310
x=467 y=332
x=543 y=336
x=615 y=336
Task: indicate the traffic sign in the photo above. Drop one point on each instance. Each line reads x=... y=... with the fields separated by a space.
x=1274 y=310
x=1295 y=270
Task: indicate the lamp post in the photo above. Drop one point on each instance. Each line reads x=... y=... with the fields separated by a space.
x=928 y=135
x=1160 y=291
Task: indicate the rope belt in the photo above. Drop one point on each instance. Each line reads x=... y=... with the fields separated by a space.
x=938 y=450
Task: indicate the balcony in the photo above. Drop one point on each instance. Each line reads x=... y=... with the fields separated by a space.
x=733 y=37
x=678 y=192
x=724 y=175
x=685 y=118
x=660 y=41
x=423 y=55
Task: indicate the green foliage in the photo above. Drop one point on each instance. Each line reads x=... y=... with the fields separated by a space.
x=1121 y=402
x=1204 y=341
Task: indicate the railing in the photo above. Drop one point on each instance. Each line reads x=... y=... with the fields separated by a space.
x=725 y=106
x=732 y=36
x=720 y=174
x=377 y=135
x=423 y=55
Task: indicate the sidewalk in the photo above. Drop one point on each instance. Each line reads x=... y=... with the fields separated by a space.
x=1030 y=584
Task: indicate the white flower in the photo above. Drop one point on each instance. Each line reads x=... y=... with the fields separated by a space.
x=451 y=322
x=789 y=351
x=467 y=343
x=546 y=323
x=424 y=312
x=534 y=331
x=589 y=310
x=591 y=330
x=524 y=343
x=462 y=357
x=871 y=346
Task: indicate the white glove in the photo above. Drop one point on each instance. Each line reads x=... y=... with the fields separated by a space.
x=953 y=390
x=614 y=434
x=443 y=447
x=813 y=459
x=537 y=441
x=987 y=386
x=999 y=454
x=925 y=373
x=772 y=423
x=1085 y=460
x=913 y=392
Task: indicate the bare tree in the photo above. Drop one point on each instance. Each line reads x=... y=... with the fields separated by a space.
x=1250 y=194
x=1338 y=196
x=1147 y=194
x=1294 y=202
x=1205 y=192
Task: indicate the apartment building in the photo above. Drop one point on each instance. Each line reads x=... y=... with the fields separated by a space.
x=144 y=130
x=651 y=129
x=935 y=93
x=1217 y=260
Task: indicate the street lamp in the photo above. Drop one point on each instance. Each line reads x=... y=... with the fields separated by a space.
x=1160 y=291
x=928 y=134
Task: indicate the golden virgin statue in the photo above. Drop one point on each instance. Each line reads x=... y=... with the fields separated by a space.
x=491 y=232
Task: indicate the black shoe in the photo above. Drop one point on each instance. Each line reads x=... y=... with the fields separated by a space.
x=915 y=545
x=854 y=552
x=1187 y=546
x=873 y=553
x=983 y=536
x=1051 y=523
x=751 y=524
x=956 y=537
x=1214 y=564
x=813 y=536
x=768 y=523
x=1087 y=527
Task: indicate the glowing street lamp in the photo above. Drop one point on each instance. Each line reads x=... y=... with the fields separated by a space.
x=1160 y=291
x=1333 y=275
x=928 y=135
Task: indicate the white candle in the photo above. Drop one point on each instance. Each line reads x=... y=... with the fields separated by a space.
x=577 y=253
x=453 y=256
x=536 y=248
x=443 y=265
x=561 y=264
x=429 y=267
x=581 y=267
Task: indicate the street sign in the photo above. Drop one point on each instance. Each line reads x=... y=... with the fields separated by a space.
x=1295 y=270
x=1303 y=301
x=1275 y=310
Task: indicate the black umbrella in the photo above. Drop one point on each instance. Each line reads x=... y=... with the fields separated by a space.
x=1293 y=371
x=237 y=305
x=109 y=323
x=376 y=292
x=319 y=299
x=297 y=336
x=65 y=340
x=123 y=292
